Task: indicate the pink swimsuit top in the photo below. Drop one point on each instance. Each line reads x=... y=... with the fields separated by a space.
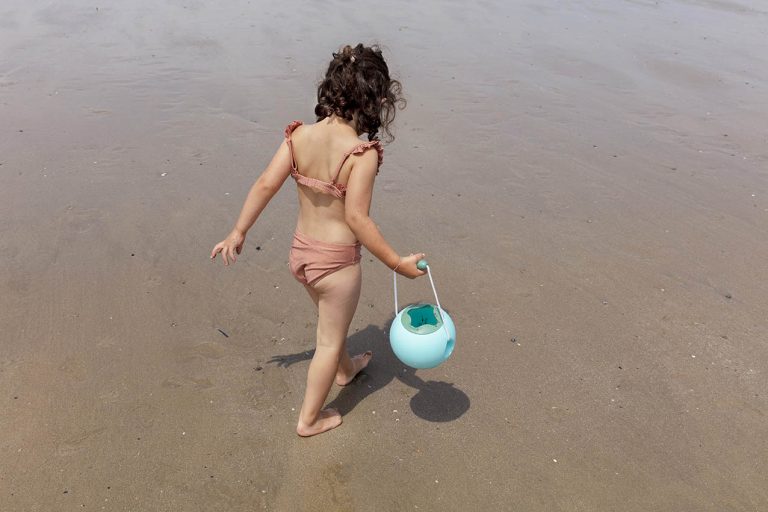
x=335 y=189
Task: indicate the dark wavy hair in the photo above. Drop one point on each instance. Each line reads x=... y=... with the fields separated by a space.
x=357 y=86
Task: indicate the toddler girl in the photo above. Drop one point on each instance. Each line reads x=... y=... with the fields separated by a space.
x=334 y=171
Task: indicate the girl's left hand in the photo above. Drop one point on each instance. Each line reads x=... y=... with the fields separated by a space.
x=229 y=247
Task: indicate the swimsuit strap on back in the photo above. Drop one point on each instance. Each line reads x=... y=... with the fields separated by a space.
x=288 y=131
x=357 y=150
x=332 y=188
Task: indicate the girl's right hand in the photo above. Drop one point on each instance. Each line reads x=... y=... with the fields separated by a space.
x=229 y=247
x=407 y=266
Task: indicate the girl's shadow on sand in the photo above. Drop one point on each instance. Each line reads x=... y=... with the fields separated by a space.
x=435 y=401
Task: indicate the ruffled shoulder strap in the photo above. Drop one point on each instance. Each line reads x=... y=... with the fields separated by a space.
x=362 y=148
x=288 y=131
x=359 y=150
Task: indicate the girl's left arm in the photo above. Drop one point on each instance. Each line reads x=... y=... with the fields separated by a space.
x=262 y=191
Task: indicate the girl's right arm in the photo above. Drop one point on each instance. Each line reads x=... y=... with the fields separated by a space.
x=265 y=187
x=357 y=207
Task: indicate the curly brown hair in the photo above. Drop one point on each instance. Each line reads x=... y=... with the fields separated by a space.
x=357 y=86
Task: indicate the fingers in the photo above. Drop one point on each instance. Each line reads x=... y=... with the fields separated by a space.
x=408 y=266
x=229 y=251
x=416 y=257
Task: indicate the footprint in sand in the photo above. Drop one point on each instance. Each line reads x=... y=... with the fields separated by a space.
x=74 y=367
x=205 y=350
x=337 y=478
x=141 y=416
x=187 y=382
x=80 y=220
x=269 y=389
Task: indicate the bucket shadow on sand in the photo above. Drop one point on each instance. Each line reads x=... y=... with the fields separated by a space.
x=435 y=401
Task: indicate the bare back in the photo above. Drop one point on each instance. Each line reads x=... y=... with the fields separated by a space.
x=324 y=154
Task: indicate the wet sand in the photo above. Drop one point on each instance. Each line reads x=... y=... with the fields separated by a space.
x=588 y=180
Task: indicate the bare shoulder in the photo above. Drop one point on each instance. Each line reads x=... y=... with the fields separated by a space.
x=367 y=157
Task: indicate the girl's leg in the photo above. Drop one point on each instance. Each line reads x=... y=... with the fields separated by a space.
x=337 y=295
x=348 y=366
x=312 y=294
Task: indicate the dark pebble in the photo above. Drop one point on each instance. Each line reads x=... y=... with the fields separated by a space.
x=620 y=368
x=513 y=340
x=728 y=296
x=15 y=398
x=66 y=492
x=258 y=368
x=133 y=254
x=258 y=247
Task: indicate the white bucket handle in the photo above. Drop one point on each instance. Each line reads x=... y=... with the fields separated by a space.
x=423 y=264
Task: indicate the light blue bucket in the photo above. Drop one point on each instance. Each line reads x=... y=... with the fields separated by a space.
x=422 y=335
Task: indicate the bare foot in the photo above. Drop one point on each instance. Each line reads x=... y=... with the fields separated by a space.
x=328 y=419
x=359 y=362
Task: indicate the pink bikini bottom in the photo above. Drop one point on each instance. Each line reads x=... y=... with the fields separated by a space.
x=310 y=260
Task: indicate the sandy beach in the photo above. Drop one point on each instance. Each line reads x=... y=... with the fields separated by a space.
x=588 y=179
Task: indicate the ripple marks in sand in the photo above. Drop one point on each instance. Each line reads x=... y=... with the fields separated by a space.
x=682 y=74
x=75 y=443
